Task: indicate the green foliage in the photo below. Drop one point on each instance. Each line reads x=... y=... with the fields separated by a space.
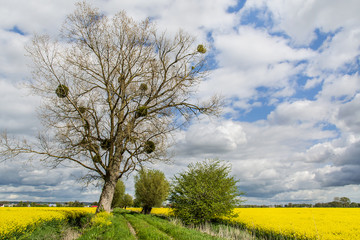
x=151 y=189
x=149 y=147
x=204 y=192
x=142 y=111
x=201 y=49
x=137 y=203
x=48 y=230
x=105 y=144
x=62 y=91
x=128 y=201
x=118 y=194
x=97 y=158
x=143 y=87
x=75 y=204
x=82 y=109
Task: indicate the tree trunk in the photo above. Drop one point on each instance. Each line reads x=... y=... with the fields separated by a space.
x=107 y=193
x=146 y=210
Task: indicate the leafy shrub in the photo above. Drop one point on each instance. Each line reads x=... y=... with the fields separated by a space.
x=204 y=192
x=151 y=189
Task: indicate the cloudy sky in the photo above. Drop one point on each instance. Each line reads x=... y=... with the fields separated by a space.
x=287 y=69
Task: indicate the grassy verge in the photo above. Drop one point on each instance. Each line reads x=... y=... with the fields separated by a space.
x=176 y=231
x=118 y=229
x=145 y=230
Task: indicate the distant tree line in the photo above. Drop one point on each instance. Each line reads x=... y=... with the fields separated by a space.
x=43 y=204
x=338 y=202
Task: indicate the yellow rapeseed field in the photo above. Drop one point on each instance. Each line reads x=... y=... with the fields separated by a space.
x=159 y=211
x=299 y=223
x=303 y=223
x=17 y=219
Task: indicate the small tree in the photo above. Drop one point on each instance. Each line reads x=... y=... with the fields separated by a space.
x=151 y=189
x=128 y=201
x=205 y=191
x=118 y=194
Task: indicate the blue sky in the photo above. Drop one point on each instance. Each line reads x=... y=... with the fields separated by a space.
x=287 y=70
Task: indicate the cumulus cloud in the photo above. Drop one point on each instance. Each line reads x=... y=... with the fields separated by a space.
x=303 y=147
x=17 y=109
x=349 y=115
x=299 y=19
x=211 y=138
x=301 y=111
x=21 y=181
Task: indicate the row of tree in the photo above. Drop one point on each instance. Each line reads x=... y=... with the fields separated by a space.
x=338 y=202
x=76 y=203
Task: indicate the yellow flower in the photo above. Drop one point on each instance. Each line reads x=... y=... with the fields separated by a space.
x=102 y=219
x=18 y=219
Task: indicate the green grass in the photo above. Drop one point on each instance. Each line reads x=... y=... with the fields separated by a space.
x=117 y=230
x=55 y=229
x=176 y=231
x=145 y=230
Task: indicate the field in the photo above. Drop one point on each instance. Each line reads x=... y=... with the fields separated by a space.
x=296 y=223
x=120 y=224
x=266 y=223
x=19 y=219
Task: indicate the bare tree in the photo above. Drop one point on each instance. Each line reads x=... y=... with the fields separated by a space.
x=112 y=90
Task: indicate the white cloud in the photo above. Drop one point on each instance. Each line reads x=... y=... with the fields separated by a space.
x=211 y=138
x=13 y=64
x=342 y=49
x=349 y=114
x=300 y=18
x=299 y=112
x=17 y=109
x=251 y=58
x=305 y=149
x=247 y=47
x=35 y=16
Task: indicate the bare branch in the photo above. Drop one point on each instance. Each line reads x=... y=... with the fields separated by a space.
x=110 y=88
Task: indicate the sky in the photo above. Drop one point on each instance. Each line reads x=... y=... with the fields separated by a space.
x=288 y=71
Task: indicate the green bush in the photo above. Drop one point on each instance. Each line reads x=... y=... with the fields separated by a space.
x=204 y=192
x=151 y=189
